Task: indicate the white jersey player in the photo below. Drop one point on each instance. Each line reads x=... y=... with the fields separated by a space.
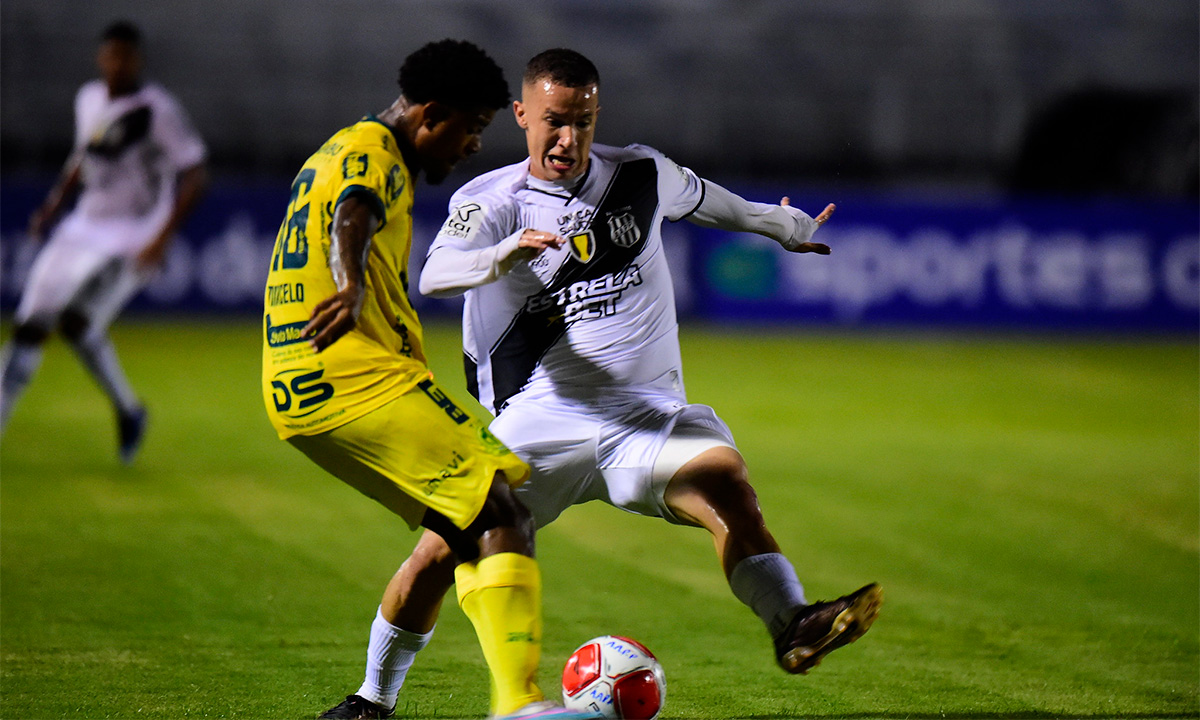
x=570 y=334
x=584 y=333
x=138 y=167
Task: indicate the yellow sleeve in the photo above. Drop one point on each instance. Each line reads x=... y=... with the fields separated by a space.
x=374 y=176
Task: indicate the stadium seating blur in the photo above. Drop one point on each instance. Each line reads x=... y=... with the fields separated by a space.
x=989 y=158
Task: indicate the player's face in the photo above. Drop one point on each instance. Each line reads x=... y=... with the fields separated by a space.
x=449 y=138
x=120 y=66
x=559 y=124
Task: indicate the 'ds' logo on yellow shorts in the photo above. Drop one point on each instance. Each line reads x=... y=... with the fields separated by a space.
x=299 y=392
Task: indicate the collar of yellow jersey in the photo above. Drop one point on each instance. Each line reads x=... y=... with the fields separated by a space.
x=407 y=151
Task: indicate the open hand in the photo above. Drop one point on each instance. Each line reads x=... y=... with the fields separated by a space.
x=800 y=242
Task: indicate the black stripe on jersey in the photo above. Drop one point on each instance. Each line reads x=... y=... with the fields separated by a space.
x=122 y=133
x=689 y=213
x=633 y=191
x=471 y=368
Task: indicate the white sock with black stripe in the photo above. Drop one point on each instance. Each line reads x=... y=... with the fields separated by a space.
x=20 y=362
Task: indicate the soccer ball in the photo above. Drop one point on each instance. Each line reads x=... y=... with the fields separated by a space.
x=615 y=677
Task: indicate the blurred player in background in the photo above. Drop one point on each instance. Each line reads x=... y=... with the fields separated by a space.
x=570 y=336
x=345 y=378
x=138 y=169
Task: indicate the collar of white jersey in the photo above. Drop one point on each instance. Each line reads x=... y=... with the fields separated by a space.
x=565 y=189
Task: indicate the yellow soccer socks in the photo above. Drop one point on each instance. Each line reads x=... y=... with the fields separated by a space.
x=502 y=596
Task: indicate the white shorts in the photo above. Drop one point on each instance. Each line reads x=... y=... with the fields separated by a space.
x=78 y=271
x=622 y=449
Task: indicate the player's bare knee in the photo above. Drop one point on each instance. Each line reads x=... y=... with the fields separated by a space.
x=731 y=467
x=513 y=514
x=504 y=524
x=724 y=493
x=432 y=559
x=434 y=571
x=717 y=473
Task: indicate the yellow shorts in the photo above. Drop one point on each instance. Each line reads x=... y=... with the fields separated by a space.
x=419 y=451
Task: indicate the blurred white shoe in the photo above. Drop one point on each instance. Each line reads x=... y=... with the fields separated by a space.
x=549 y=711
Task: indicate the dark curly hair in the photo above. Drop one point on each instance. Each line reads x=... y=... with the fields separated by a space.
x=562 y=67
x=455 y=73
x=122 y=31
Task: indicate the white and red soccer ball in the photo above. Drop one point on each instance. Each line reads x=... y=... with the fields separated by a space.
x=615 y=677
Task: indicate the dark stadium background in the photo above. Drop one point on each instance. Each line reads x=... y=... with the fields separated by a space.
x=996 y=164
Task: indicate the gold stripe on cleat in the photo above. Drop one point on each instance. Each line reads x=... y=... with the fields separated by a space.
x=849 y=625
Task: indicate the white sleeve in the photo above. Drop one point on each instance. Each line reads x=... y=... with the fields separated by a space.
x=679 y=189
x=81 y=112
x=173 y=132
x=468 y=251
x=784 y=224
x=450 y=271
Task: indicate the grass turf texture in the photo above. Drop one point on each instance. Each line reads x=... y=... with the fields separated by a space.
x=1029 y=506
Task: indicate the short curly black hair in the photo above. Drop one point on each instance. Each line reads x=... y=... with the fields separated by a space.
x=562 y=66
x=456 y=73
x=122 y=31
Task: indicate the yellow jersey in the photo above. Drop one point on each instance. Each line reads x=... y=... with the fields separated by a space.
x=308 y=393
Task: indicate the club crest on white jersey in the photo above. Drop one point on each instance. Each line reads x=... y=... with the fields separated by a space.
x=623 y=229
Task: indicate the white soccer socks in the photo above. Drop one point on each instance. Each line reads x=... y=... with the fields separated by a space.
x=768 y=584
x=21 y=361
x=390 y=654
x=100 y=358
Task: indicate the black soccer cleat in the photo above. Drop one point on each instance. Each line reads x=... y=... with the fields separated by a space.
x=823 y=627
x=131 y=427
x=356 y=707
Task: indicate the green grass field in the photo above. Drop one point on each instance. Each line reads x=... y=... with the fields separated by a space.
x=1030 y=507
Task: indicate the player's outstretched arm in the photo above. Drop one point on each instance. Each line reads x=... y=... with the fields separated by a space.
x=354 y=224
x=789 y=226
x=451 y=271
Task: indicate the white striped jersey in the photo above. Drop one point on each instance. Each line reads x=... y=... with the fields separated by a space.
x=596 y=314
x=131 y=147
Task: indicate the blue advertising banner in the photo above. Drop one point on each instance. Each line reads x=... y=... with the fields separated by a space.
x=1097 y=266
x=1102 y=265
x=218 y=263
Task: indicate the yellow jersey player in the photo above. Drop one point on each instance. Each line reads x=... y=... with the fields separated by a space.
x=344 y=374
